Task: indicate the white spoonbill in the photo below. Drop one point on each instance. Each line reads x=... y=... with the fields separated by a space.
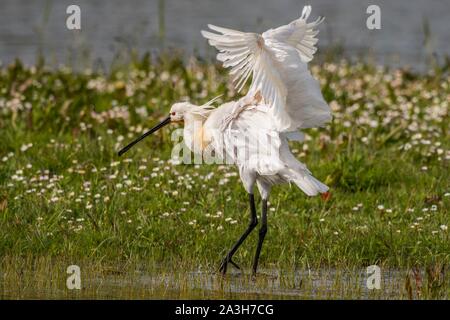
x=254 y=131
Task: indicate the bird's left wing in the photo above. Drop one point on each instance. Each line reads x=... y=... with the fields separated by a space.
x=299 y=34
x=247 y=55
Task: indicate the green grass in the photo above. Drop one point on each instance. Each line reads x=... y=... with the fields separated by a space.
x=385 y=156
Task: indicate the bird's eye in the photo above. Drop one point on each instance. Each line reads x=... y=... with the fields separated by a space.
x=173 y=113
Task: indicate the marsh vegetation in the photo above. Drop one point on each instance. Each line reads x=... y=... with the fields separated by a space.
x=66 y=198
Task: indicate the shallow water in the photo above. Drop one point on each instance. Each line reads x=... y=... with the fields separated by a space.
x=269 y=284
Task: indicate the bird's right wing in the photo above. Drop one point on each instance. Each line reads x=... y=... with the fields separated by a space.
x=247 y=55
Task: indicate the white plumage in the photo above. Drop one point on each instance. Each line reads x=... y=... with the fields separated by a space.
x=283 y=98
x=291 y=100
x=276 y=61
x=244 y=133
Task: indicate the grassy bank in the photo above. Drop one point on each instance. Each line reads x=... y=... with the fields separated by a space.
x=65 y=193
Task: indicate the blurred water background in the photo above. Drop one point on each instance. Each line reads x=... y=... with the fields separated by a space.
x=413 y=33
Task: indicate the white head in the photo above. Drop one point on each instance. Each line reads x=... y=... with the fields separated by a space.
x=179 y=111
x=182 y=111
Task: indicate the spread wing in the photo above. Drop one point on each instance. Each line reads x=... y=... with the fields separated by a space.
x=298 y=34
x=247 y=55
x=268 y=59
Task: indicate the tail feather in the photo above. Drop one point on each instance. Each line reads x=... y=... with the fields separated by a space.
x=308 y=184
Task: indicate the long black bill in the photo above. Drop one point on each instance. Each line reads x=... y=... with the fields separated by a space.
x=166 y=121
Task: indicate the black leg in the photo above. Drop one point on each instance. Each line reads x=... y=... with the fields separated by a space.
x=262 y=234
x=251 y=226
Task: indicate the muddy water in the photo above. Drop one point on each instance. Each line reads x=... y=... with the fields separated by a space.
x=269 y=284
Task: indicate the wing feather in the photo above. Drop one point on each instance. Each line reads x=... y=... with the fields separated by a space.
x=298 y=34
x=276 y=62
x=247 y=55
